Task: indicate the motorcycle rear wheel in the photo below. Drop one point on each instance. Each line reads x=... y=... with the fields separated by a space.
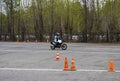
x=52 y=47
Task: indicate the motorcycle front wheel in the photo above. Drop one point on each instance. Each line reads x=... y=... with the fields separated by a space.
x=64 y=46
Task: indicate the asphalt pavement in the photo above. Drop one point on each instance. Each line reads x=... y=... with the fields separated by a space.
x=30 y=61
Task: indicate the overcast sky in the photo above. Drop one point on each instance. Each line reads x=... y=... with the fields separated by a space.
x=2 y=7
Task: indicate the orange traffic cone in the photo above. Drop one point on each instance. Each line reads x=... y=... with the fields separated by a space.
x=73 y=67
x=47 y=40
x=58 y=56
x=36 y=41
x=27 y=40
x=66 y=68
x=17 y=40
x=111 y=66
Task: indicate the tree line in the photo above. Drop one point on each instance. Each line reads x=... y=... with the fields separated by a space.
x=90 y=20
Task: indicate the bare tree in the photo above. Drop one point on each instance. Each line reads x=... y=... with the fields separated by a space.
x=52 y=19
x=40 y=15
x=0 y=19
x=10 y=18
x=67 y=23
x=85 y=31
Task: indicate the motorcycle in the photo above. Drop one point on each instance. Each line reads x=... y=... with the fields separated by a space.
x=60 y=44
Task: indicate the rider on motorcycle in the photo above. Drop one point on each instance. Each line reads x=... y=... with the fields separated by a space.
x=58 y=42
x=56 y=38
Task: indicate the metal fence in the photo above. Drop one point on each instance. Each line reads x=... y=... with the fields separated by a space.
x=93 y=37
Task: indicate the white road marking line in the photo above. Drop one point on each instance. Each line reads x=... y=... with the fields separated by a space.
x=26 y=69
x=92 y=70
